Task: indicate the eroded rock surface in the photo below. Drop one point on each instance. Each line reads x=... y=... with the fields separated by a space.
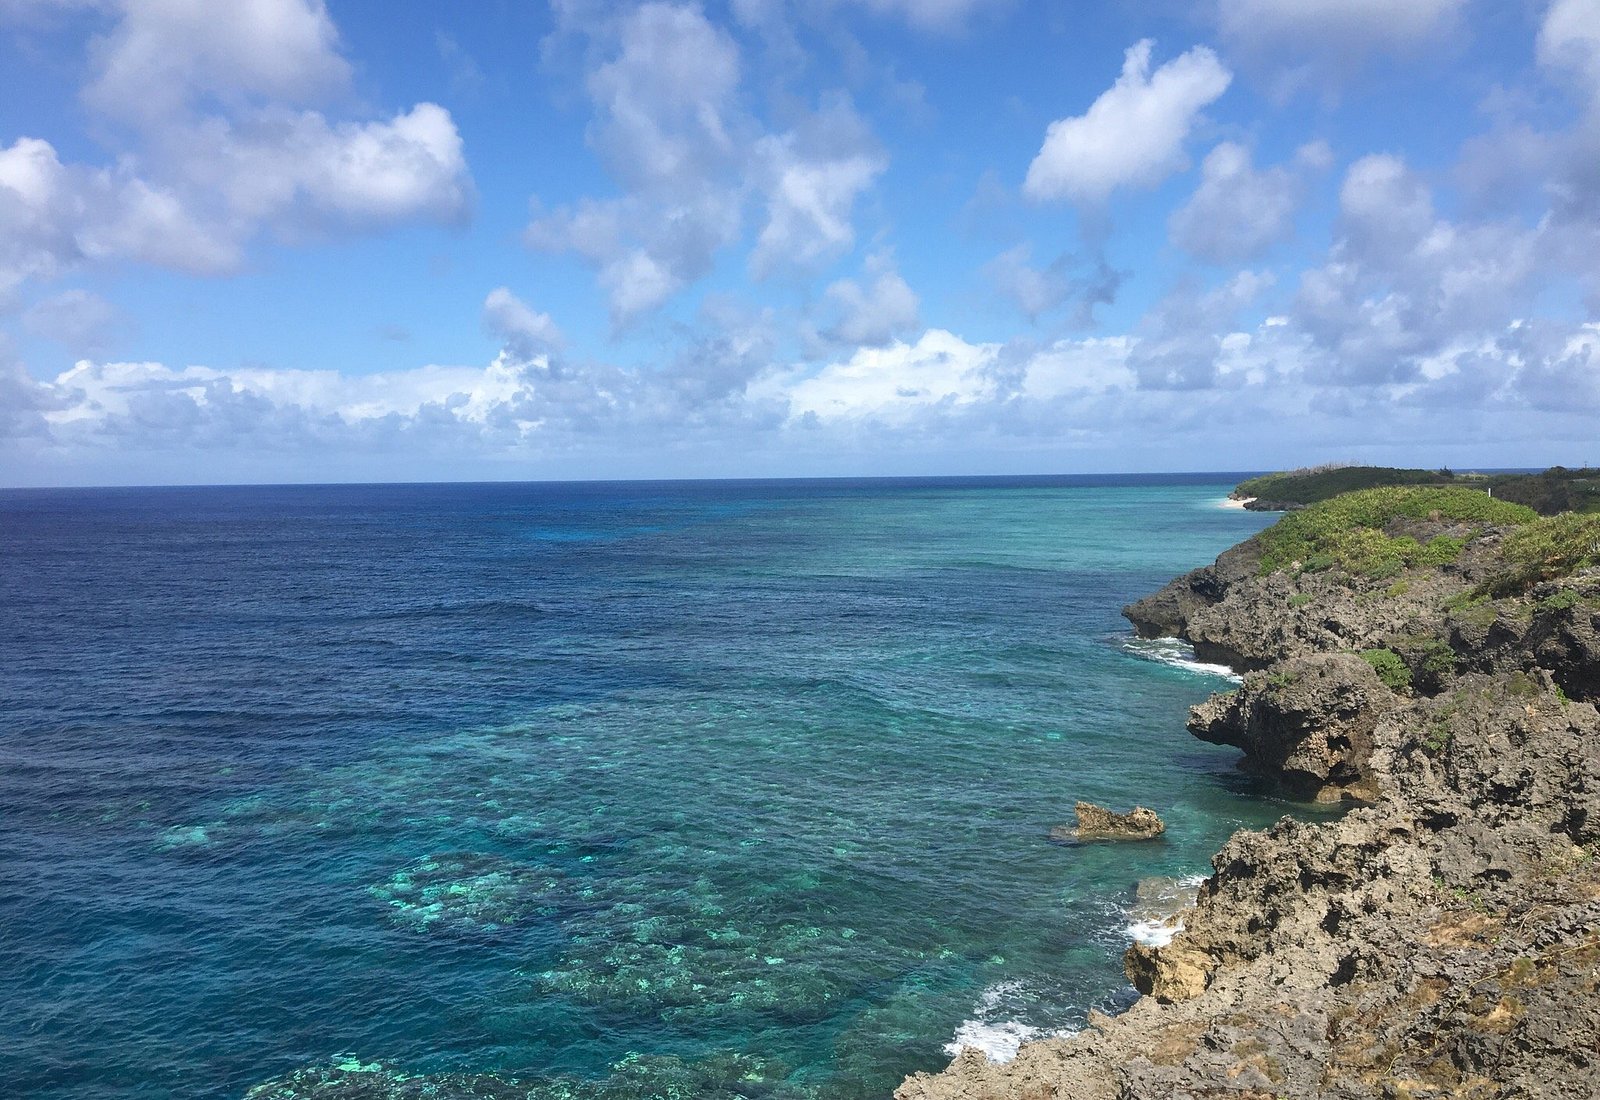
x=1441 y=939
x=1099 y=823
x=1308 y=724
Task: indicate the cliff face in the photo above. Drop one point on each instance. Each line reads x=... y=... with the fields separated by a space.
x=1442 y=939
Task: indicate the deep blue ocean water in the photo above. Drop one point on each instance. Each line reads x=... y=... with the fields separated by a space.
x=531 y=778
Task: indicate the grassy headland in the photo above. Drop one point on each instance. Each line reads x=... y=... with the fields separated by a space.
x=1558 y=489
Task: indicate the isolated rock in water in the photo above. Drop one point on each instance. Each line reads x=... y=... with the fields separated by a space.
x=1099 y=823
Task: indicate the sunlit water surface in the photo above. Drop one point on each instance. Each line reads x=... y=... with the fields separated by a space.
x=531 y=777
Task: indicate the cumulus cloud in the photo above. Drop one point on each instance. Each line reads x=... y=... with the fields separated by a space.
x=162 y=55
x=673 y=128
x=1189 y=340
x=1569 y=43
x=524 y=330
x=669 y=128
x=1296 y=41
x=1557 y=369
x=814 y=175
x=1133 y=134
x=214 y=145
x=1403 y=285
x=23 y=402
x=873 y=314
x=1239 y=212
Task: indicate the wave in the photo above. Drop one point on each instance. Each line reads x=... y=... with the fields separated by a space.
x=1155 y=933
x=1176 y=653
x=993 y=1028
x=1156 y=914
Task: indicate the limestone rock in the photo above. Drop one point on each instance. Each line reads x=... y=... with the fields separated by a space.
x=1441 y=941
x=1308 y=724
x=1099 y=823
x=1178 y=971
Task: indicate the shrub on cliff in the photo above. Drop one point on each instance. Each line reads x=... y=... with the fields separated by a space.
x=1546 y=550
x=1389 y=667
x=1346 y=532
x=1553 y=547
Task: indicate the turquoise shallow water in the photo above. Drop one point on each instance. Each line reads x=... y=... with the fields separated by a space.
x=531 y=778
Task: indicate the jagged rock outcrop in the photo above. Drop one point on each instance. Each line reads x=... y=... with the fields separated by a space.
x=1308 y=725
x=1165 y=613
x=1442 y=941
x=1099 y=823
x=1564 y=635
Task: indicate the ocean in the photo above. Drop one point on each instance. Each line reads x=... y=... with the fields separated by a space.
x=587 y=783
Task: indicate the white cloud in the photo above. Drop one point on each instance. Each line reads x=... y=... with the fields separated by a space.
x=874 y=314
x=672 y=127
x=1237 y=212
x=219 y=149
x=665 y=97
x=1569 y=43
x=812 y=177
x=1133 y=134
x=37 y=234
x=164 y=54
x=895 y=382
x=526 y=331
x=1322 y=40
x=669 y=128
x=1403 y=284
x=1190 y=335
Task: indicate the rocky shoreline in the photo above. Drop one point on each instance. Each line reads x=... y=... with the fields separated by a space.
x=1440 y=939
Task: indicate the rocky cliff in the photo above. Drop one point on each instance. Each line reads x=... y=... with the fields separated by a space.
x=1442 y=938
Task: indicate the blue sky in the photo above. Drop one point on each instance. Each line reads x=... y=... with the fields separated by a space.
x=394 y=240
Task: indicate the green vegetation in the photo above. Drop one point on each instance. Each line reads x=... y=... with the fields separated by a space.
x=1437 y=736
x=1346 y=532
x=1557 y=489
x=1555 y=546
x=1300 y=599
x=1313 y=483
x=1389 y=667
x=1561 y=600
x=1438 y=660
x=1431 y=660
x=1519 y=685
x=1548 y=549
x=1441 y=550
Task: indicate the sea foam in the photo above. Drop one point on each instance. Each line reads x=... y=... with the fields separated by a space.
x=990 y=1031
x=1176 y=653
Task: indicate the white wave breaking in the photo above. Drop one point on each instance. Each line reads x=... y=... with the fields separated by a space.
x=1176 y=654
x=992 y=1031
x=1155 y=933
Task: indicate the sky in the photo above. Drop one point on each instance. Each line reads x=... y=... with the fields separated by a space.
x=389 y=240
